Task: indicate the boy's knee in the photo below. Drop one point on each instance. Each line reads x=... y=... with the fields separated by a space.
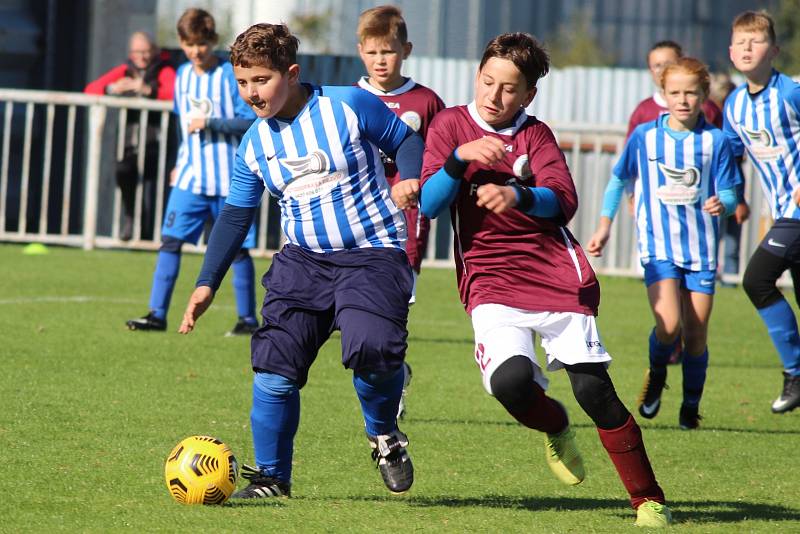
x=275 y=385
x=512 y=383
x=594 y=391
x=170 y=244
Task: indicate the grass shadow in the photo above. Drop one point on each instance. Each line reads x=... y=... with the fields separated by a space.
x=700 y=511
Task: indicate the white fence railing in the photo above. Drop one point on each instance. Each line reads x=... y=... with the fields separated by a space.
x=57 y=184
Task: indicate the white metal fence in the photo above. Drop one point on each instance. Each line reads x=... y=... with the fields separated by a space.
x=57 y=184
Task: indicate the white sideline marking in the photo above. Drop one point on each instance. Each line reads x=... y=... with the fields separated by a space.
x=85 y=299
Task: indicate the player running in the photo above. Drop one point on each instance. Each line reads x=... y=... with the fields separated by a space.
x=685 y=178
x=521 y=272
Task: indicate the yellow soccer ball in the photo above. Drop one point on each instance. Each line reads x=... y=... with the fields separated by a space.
x=201 y=470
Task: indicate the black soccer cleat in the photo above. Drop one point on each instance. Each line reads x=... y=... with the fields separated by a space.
x=655 y=380
x=261 y=486
x=394 y=463
x=242 y=328
x=689 y=419
x=148 y=322
x=790 y=396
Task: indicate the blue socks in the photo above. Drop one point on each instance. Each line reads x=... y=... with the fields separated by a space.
x=274 y=420
x=694 y=377
x=782 y=328
x=244 y=273
x=380 y=396
x=659 y=352
x=167 y=266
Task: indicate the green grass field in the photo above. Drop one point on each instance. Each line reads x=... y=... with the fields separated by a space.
x=90 y=411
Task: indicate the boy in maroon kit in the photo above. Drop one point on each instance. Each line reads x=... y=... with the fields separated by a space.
x=383 y=45
x=521 y=272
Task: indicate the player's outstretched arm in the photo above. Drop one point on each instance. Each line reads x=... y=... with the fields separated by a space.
x=600 y=237
x=198 y=303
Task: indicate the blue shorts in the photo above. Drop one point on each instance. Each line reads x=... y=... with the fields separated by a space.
x=362 y=292
x=187 y=214
x=697 y=281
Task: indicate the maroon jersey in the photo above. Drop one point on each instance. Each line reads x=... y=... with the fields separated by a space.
x=513 y=259
x=416 y=105
x=650 y=108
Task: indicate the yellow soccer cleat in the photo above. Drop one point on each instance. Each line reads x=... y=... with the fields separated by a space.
x=651 y=514
x=563 y=457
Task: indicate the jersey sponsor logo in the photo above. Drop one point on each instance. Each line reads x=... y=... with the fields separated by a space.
x=393 y=105
x=199 y=108
x=762 y=143
x=771 y=242
x=522 y=168
x=682 y=187
x=311 y=175
x=412 y=119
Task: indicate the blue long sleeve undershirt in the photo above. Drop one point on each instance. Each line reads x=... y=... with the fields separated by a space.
x=227 y=236
x=616 y=187
x=408 y=157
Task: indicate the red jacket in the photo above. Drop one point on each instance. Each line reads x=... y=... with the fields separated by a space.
x=165 y=79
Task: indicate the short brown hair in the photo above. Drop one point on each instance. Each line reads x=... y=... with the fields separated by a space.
x=197 y=26
x=382 y=21
x=521 y=49
x=672 y=45
x=266 y=45
x=689 y=65
x=755 y=21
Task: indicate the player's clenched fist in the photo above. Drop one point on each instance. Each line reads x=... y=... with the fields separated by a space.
x=496 y=198
x=198 y=304
x=486 y=150
x=405 y=193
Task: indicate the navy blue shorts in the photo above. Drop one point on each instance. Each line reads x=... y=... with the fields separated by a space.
x=783 y=240
x=362 y=292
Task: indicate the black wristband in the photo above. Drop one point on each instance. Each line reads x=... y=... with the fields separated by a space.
x=525 y=197
x=455 y=167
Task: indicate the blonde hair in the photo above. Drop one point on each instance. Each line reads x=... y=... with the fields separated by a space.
x=382 y=21
x=755 y=21
x=689 y=65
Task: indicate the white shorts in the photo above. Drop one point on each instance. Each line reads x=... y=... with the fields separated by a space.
x=501 y=332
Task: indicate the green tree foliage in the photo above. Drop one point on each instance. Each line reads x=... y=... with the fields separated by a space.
x=576 y=45
x=313 y=28
x=787 y=22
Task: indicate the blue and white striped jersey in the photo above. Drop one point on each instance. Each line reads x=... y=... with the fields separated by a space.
x=205 y=159
x=767 y=124
x=325 y=169
x=677 y=172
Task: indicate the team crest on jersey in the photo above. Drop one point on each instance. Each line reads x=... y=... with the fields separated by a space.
x=311 y=175
x=522 y=168
x=200 y=108
x=412 y=119
x=682 y=187
x=762 y=144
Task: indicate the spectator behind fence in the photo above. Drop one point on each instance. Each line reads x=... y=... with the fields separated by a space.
x=730 y=227
x=145 y=74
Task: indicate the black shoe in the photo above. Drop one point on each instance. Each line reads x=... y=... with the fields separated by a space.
x=148 y=322
x=393 y=461
x=790 y=396
x=242 y=328
x=261 y=486
x=688 y=418
x=655 y=380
